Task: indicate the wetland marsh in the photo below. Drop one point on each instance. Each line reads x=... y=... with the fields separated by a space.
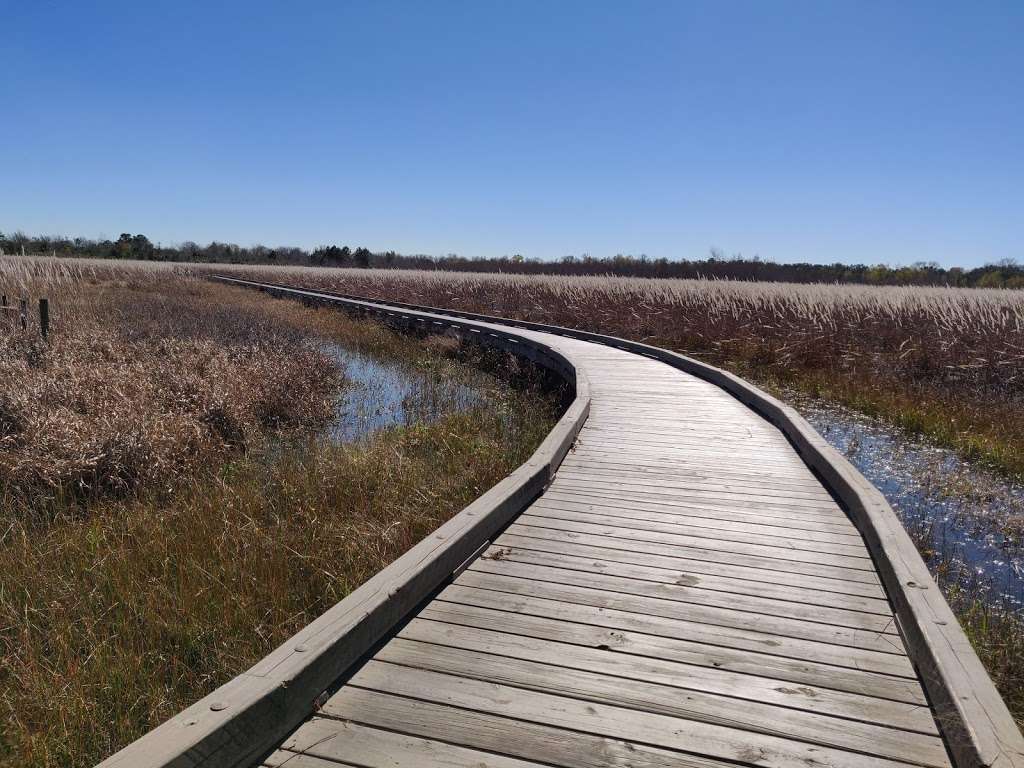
x=190 y=473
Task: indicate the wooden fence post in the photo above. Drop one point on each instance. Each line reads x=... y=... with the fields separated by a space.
x=44 y=317
x=24 y=314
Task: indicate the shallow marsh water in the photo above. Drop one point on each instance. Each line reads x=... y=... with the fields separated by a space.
x=383 y=394
x=967 y=520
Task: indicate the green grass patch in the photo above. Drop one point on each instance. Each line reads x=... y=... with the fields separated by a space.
x=113 y=623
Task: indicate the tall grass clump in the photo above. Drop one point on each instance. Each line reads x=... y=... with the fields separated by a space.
x=145 y=377
x=946 y=363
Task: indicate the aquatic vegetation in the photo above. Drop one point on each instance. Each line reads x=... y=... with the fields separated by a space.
x=965 y=521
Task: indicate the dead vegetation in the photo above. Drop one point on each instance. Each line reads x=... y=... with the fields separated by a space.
x=145 y=377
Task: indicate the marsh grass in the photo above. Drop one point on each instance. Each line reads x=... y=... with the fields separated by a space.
x=116 y=622
x=187 y=514
x=994 y=627
x=146 y=378
x=998 y=637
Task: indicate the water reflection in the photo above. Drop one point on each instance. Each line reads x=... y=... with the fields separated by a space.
x=388 y=394
x=970 y=516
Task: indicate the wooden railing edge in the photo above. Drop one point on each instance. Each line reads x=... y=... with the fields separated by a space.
x=977 y=725
x=250 y=714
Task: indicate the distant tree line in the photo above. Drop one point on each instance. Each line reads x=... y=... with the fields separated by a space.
x=1005 y=274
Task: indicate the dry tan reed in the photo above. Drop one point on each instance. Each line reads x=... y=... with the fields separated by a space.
x=144 y=377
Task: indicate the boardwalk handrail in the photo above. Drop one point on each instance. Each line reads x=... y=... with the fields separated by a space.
x=251 y=713
x=977 y=725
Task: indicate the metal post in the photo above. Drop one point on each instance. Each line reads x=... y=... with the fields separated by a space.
x=24 y=314
x=44 y=317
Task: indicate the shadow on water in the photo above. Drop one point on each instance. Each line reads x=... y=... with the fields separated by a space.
x=383 y=394
x=966 y=521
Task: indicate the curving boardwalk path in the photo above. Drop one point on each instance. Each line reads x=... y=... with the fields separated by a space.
x=684 y=593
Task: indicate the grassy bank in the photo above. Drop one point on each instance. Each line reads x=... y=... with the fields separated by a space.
x=194 y=517
x=114 y=623
x=146 y=377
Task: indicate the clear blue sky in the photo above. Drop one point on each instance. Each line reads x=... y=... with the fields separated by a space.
x=818 y=131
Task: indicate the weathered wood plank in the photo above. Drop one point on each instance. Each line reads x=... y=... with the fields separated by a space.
x=643 y=694
x=575 y=626
x=554 y=601
x=717 y=486
x=588 y=463
x=699 y=516
x=594 y=501
x=523 y=550
x=775 y=628
x=706 y=679
x=359 y=745
x=705 y=739
x=655 y=491
x=485 y=731
x=824 y=511
x=790 y=540
x=684 y=461
x=697 y=551
x=778 y=552
x=835 y=591
x=725 y=454
x=301 y=761
x=782 y=616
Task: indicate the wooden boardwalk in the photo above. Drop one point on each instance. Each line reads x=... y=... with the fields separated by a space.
x=684 y=593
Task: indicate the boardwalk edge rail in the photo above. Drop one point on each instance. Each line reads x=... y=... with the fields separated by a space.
x=278 y=692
